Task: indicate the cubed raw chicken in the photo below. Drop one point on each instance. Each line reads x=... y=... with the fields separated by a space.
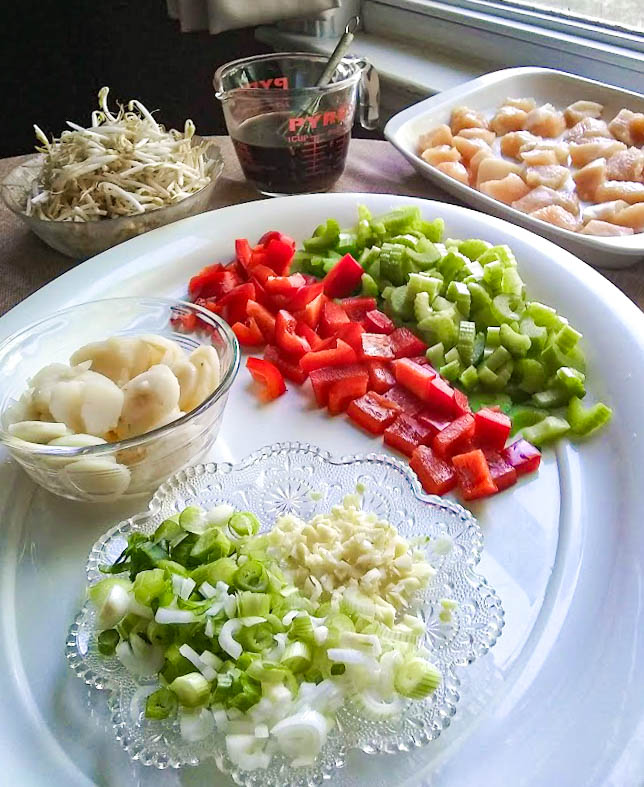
x=582 y=109
x=513 y=142
x=464 y=117
x=441 y=135
x=526 y=104
x=495 y=168
x=478 y=133
x=551 y=175
x=596 y=227
x=508 y=119
x=587 y=128
x=469 y=147
x=543 y=196
x=560 y=149
x=455 y=170
x=545 y=121
x=509 y=189
x=589 y=178
x=537 y=157
x=637 y=129
x=620 y=189
x=590 y=149
x=555 y=214
x=440 y=154
x=632 y=216
x=628 y=127
x=625 y=165
x=475 y=162
x=604 y=211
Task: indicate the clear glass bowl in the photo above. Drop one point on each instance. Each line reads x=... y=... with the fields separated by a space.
x=302 y=479
x=81 y=239
x=138 y=464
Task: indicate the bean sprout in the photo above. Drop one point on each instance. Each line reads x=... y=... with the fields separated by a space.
x=123 y=165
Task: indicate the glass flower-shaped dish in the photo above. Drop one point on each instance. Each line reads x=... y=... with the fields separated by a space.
x=302 y=479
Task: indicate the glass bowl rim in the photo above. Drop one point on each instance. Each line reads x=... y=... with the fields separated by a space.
x=36 y=449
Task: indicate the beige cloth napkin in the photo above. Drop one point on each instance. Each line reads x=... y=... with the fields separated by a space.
x=219 y=15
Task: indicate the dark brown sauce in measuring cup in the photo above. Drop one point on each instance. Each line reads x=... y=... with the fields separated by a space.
x=279 y=160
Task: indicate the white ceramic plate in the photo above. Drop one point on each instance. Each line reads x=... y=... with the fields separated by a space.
x=486 y=94
x=557 y=701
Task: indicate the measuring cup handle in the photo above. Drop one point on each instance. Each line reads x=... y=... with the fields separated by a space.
x=368 y=95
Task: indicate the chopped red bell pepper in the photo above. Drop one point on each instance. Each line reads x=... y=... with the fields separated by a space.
x=440 y=395
x=244 y=253
x=284 y=285
x=357 y=307
x=492 y=429
x=376 y=345
x=351 y=333
x=373 y=412
x=381 y=378
x=408 y=402
x=286 y=338
x=298 y=298
x=248 y=333
x=376 y=321
x=343 y=278
x=332 y=318
x=454 y=438
x=279 y=253
x=421 y=360
x=287 y=365
x=312 y=312
x=322 y=379
x=213 y=282
x=339 y=355
x=461 y=403
x=312 y=338
x=523 y=456
x=406 y=433
x=405 y=344
x=414 y=377
x=502 y=472
x=473 y=473
x=233 y=304
x=269 y=376
x=264 y=319
x=436 y=476
x=435 y=421
x=343 y=392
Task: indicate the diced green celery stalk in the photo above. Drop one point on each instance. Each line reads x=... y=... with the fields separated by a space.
x=479 y=295
x=551 y=428
x=479 y=346
x=423 y=259
x=493 y=275
x=450 y=371
x=439 y=327
x=469 y=378
x=567 y=338
x=452 y=264
x=363 y=233
x=408 y=240
x=324 y=237
x=501 y=253
x=473 y=248
x=511 y=284
x=523 y=415
x=572 y=380
x=452 y=243
x=433 y=229
x=498 y=357
x=402 y=219
x=551 y=398
x=301 y=261
x=543 y=315
x=440 y=304
x=466 y=339
x=493 y=336
x=532 y=375
x=458 y=293
x=584 y=421
x=422 y=308
x=364 y=257
x=436 y=355
x=328 y=263
x=369 y=286
x=346 y=242
x=506 y=308
x=504 y=374
x=392 y=257
x=473 y=271
x=516 y=343
x=452 y=355
x=538 y=333
x=192 y=690
x=399 y=305
x=421 y=282
x=149 y=585
x=364 y=214
x=478 y=400
x=487 y=378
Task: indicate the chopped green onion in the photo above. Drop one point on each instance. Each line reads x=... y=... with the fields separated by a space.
x=250 y=603
x=416 y=678
x=243 y=523
x=251 y=576
x=192 y=690
x=297 y=656
x=149 y=585
x=107 y=642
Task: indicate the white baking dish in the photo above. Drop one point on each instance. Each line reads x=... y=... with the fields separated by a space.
x=485 y=94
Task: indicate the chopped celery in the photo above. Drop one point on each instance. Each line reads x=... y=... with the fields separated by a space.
x=458 y=293
x=402 y=219
x=567 y=338
x=439 y=327
x=450 y=371
x=211 y=545
x=297 y=656
x=498 y=357
x=551 y=398
x=469 y=378
x=433 y=230
x=324 y=237
x=452 y=355
x=421 y=282
x=493 y=275
x=516 y=343
x=524 y=415
x=537 y=334
x=487 y=378
x=473 y=248
x=466 y=339
x=422 y=306
x=532 y=375
x=493 y=336
x=572 y=381
x=436 y=355
x=511 y=283
x=543 y=315
x=369 y=286
x=479 y=295
x=400 y=307
x=505 y=308
x=168 y=530
x=584 y=421
x=547 y=430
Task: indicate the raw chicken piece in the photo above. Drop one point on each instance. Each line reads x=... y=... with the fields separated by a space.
x=582 y=109
x=589 y=149
x=560 y=149
x=478 y=133
x=508 y=119
x=509 y=189
x=475 y=162
x=440 y=154
x=455 y=170
x=441 y=135
x=604 y=211
x=632 y=216
x=549 y=175
x=625 y=165
x=464 y=117
x=543 y=196
x=512 y=143
x=538 y=157
x=620 y=189
x=494 y=168
x=555 y=214
x=545 y=121
x=628 y=127
x=526 y=104
x=587 y=128
x=469 y=147
x=596 y=227
x=589 y=178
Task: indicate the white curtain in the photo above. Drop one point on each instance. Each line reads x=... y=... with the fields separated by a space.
x=219 y=15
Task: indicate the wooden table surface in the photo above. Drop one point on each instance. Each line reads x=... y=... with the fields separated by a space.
x=26 y=263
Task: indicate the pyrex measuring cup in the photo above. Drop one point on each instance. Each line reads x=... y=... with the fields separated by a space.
x=290 y=136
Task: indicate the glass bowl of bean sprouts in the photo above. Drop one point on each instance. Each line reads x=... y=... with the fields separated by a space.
x=92 y=188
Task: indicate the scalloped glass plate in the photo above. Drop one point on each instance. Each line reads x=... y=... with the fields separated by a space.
x=302 y=479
